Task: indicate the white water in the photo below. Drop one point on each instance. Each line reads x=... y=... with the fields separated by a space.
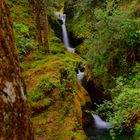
x=100 y=124
x=80 y=75
x=65 y=34
x=58 y=14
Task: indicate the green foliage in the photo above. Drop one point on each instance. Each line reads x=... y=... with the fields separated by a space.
x=111 y=47
x=110 y=34
x=124 y=105
x=21 y=11
x=23 y=41
x=82 y=103
x=115 y=36
x=56 y=46
x=38 y=57
x=137 y=131
x=105 y=109
x=21 y=29
x=45 y=84
x=24 y=27
x=81 y=30
x=60 y=77
x=38 y=93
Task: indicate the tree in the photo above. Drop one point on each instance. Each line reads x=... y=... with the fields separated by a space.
x=37 y=21
x=41 y=19
x=45 y=24
x=14 y=110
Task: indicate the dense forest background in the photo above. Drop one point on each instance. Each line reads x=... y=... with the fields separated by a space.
x=106 y=38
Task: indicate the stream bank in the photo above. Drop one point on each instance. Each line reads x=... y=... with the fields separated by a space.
x=57 y=99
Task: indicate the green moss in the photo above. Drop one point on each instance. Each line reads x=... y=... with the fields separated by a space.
x=21 y=9
x=123 y=111
x=56 y=46
x=38 y=120
x=36 y=60
x=37 y=94
x=51 y=81
x=137 y=131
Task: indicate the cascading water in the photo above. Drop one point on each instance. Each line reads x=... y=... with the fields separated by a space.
x=96 y=128
x=65 y=34
x=100 y=130
x=100 y=124
x=80 y=75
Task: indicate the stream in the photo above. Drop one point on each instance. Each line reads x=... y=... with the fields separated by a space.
x=98 y=129
x=65 y=34
x=101 y=126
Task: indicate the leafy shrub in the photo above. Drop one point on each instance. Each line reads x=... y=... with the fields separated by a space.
x=56 y=46
x=113 y=48
x=137 y=131
x=38 y=93
x=23 y=40
x=124 y=105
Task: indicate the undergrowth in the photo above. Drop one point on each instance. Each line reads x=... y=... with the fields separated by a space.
x=124 y=110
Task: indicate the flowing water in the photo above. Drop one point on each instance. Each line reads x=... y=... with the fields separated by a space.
x=65 y=34
x=100 y=124
x=101 y=130
x=80 y=75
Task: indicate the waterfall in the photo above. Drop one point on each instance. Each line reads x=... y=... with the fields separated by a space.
x=100 y=124
x=65 y=34
x=80 y=75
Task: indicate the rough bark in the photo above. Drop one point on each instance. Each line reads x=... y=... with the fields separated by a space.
x=45 y=25
x=14 y=110
x=41 y=20
x=37 y=21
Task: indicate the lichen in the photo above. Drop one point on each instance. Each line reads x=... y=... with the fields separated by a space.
x=10 y=93
x=22 y=92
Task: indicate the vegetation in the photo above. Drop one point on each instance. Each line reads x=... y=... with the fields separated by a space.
x=14 y=109
x=112 y=41
x=110 y=48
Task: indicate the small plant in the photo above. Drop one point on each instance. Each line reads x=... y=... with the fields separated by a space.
x=137 y=131
x=45 y=84
x=23 y=40
x=38 y=93
x=82 y=103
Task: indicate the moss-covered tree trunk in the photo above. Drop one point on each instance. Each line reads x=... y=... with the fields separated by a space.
x=41 y=20
x=38 y=22
x=14 y=110
x=45 y=25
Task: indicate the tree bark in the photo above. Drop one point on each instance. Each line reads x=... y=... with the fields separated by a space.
x=37 y=21
x=45 y=25
x=41 y=20
x=14 y=110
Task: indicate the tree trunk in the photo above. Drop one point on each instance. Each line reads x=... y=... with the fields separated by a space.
x=37 y=21
x=41 y=20
x=14 y=110
x=45 y=25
